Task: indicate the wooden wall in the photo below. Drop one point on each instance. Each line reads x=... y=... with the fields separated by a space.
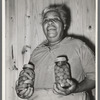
x=23 y=29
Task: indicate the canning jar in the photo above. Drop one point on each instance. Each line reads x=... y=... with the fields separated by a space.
x=25 y=81
x=62 y=71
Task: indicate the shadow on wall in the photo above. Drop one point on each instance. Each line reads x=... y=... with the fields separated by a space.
x=68 y=22
x=84 y=39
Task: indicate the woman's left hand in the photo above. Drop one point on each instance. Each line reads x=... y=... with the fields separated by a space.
x=57 y=89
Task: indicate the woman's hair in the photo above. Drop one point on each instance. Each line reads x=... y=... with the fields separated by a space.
x=63 y=11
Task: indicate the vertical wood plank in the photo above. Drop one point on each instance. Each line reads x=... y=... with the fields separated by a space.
x=27 y=30
x=11 y=41
x=89 y=22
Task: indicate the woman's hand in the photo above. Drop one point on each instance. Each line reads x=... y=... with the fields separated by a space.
x=25 y=89
x=57 y=89
x=24 y=93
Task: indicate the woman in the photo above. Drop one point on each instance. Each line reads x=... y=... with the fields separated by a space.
x=55 y=22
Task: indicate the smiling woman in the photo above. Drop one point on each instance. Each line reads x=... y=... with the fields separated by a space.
x=79 y=61
x=26 y=42
x=53 y=27
x=55 y=22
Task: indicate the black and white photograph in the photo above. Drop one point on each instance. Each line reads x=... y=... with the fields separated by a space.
x=50 y=50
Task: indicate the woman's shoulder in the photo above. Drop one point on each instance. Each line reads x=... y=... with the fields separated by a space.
x=74 y=41
x=40 y=47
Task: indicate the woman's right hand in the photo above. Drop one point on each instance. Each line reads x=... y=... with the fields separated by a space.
x=28 y=93
x=25 y=89
x=24 y=93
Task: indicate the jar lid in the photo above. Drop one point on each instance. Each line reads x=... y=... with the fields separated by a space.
x=60 y=59
x=28 y=66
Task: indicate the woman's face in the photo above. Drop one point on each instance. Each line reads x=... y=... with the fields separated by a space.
x=53 y=26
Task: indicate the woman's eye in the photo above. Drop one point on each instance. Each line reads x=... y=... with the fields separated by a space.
x=56 y=19
x=45 y=21
x=52 y=20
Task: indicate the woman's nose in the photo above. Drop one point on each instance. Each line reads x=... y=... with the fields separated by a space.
x=50 y=21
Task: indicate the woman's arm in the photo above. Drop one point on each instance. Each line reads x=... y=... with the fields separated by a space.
x=85 y=85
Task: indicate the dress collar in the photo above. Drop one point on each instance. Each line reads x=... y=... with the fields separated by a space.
x=64 y=41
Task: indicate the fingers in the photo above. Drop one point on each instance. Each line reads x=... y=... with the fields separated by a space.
x=70 y=81
x=26 y=93
x=23 y=91
x=31 y=92
x=58 y=90
x=72 y=86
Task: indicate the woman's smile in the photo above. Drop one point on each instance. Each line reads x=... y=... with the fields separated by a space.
x=51 y=28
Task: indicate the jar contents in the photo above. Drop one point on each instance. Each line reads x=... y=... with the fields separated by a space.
x=62 y=71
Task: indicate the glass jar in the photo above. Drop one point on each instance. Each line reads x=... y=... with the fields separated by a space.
x=25 y=81
x=62 y=71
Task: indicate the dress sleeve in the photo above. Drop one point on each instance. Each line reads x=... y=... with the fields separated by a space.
x=32 y=57
x=88 y=61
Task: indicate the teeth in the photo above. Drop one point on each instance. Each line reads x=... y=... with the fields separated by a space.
x=51 y=28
